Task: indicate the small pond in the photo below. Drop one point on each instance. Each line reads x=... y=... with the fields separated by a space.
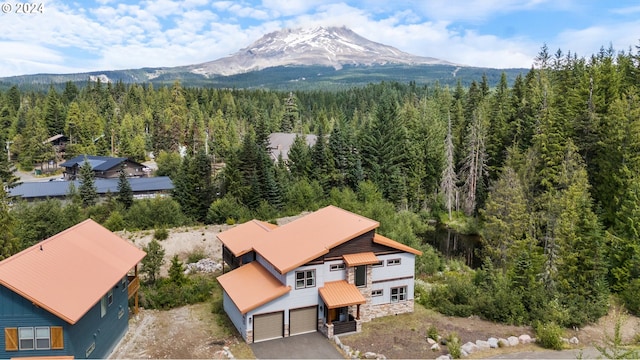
x=453 y=245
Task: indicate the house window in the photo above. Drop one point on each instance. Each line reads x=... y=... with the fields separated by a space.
x=377 y=292
x=25 y=338
x=305 y=279
x=392 y=262
x=43 y=338
x=399 y=294
x=123 y=283
x=110 y=297
x=378 y=264
x=337 y=267
x=361 y=275
x=103 y=306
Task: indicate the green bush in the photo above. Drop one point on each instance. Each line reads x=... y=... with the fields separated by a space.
x=456 y=297
x=454 y=346
x=161 y=234
x=549 y=335
x=167 y=294
x=432 y=332
x=196 y=255
x=155 y=213
x=227 y=209
x=631 y=297
x=115 y=221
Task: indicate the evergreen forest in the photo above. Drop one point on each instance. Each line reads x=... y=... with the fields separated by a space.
x=546 y=169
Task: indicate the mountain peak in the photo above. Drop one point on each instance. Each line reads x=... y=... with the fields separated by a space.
x=325 y=46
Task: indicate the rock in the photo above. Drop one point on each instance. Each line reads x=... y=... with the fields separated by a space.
x=470 y=347
x=565 y=340
x=370 y=355
x=483 y=345
x=356 y=354
x=435 y=347
x=346 y=349
x=430 y=341
x=574 y=340
x=463 y=353
x=493 y=342
x=443 y=357
x=443 y=341
x=203 y=266
x=337 y=340
x=525 y=339
x=503 y=342
x=381 y=357
x=513 y=341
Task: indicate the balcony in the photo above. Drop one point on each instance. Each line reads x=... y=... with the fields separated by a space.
x=134 y=285
x=342 y=327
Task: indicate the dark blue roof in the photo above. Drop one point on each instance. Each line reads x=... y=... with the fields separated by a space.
x=53 y=189
x=98 y=163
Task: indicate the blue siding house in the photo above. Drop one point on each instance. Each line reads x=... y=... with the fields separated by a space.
x=68 y=295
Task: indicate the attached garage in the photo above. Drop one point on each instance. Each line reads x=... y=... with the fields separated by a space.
x=303 y=320
x=268 y=326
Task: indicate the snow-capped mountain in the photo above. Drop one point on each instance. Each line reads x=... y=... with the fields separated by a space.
x=325 y=46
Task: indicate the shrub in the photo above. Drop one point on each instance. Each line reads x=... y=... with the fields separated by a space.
x=549 y=335
x=630 y=297
x=454 y=346
x=161 y=234
x=432 y=332
x=167 y=294
x=227 y=209
x=115 y=221
x=196 y=255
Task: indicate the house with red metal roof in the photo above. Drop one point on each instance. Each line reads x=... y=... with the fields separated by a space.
x=68 y=295
x=327 y=271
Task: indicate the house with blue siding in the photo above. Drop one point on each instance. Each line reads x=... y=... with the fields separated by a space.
x=328 y=271
x=68 y=296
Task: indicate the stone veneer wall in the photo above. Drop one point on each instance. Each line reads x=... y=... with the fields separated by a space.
x=401 y=307
x=249 y=336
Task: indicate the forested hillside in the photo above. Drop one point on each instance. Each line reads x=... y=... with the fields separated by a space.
x=549 y=167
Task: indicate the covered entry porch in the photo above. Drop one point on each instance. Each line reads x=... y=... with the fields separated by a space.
x=342 y=302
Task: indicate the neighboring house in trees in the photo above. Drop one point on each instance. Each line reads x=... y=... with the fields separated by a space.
x=327 y=271
x=103 y=167
x=68 y=296
x=142 y=188
x=280 y=144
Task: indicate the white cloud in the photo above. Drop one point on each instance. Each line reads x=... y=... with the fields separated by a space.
x=588 y=41
x=291 y=7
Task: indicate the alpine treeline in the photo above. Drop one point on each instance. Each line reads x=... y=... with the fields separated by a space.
x=549 y=166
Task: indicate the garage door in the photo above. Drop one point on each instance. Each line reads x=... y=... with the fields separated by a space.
x=303 y=320
x=268 y=326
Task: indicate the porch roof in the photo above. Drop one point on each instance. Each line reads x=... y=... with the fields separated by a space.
x=340 y=293
x=364 y=258
x=251 y=285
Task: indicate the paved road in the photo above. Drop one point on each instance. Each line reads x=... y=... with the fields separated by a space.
x=307 y=346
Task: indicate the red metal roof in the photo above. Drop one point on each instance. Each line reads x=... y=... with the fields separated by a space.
x=311 y=236
x=340 y=293
x=68 y=273
x=251 y=285
x=242 y=238
x=358 y=259
x=383 y=240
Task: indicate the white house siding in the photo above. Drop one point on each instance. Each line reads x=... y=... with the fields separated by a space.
x=267 y=265
x=293 y=299
x=386 y=277
x=234 y=314
x=333 y=275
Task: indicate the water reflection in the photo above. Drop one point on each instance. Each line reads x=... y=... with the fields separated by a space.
x=453 y=245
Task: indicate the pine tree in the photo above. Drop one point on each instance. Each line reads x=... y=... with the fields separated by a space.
x=9 y=243
x=125 y=193
x=87 y=189
x=299 y=158
x=449 y=178
x=154 y=260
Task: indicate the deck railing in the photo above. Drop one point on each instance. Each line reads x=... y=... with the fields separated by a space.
x=134 y=285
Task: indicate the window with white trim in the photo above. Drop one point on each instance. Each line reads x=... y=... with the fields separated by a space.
x=26 y=338
x=43 y=338
x=377 y=292
x=399 y=294
x=336 y=267
x=305 y=279
x=392 y=262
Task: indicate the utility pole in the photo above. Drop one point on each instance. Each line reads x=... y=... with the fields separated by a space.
x=9 y=150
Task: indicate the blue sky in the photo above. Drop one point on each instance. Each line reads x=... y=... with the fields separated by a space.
x=81 y=36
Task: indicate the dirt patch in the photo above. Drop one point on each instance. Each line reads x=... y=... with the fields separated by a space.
x=404 y=336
